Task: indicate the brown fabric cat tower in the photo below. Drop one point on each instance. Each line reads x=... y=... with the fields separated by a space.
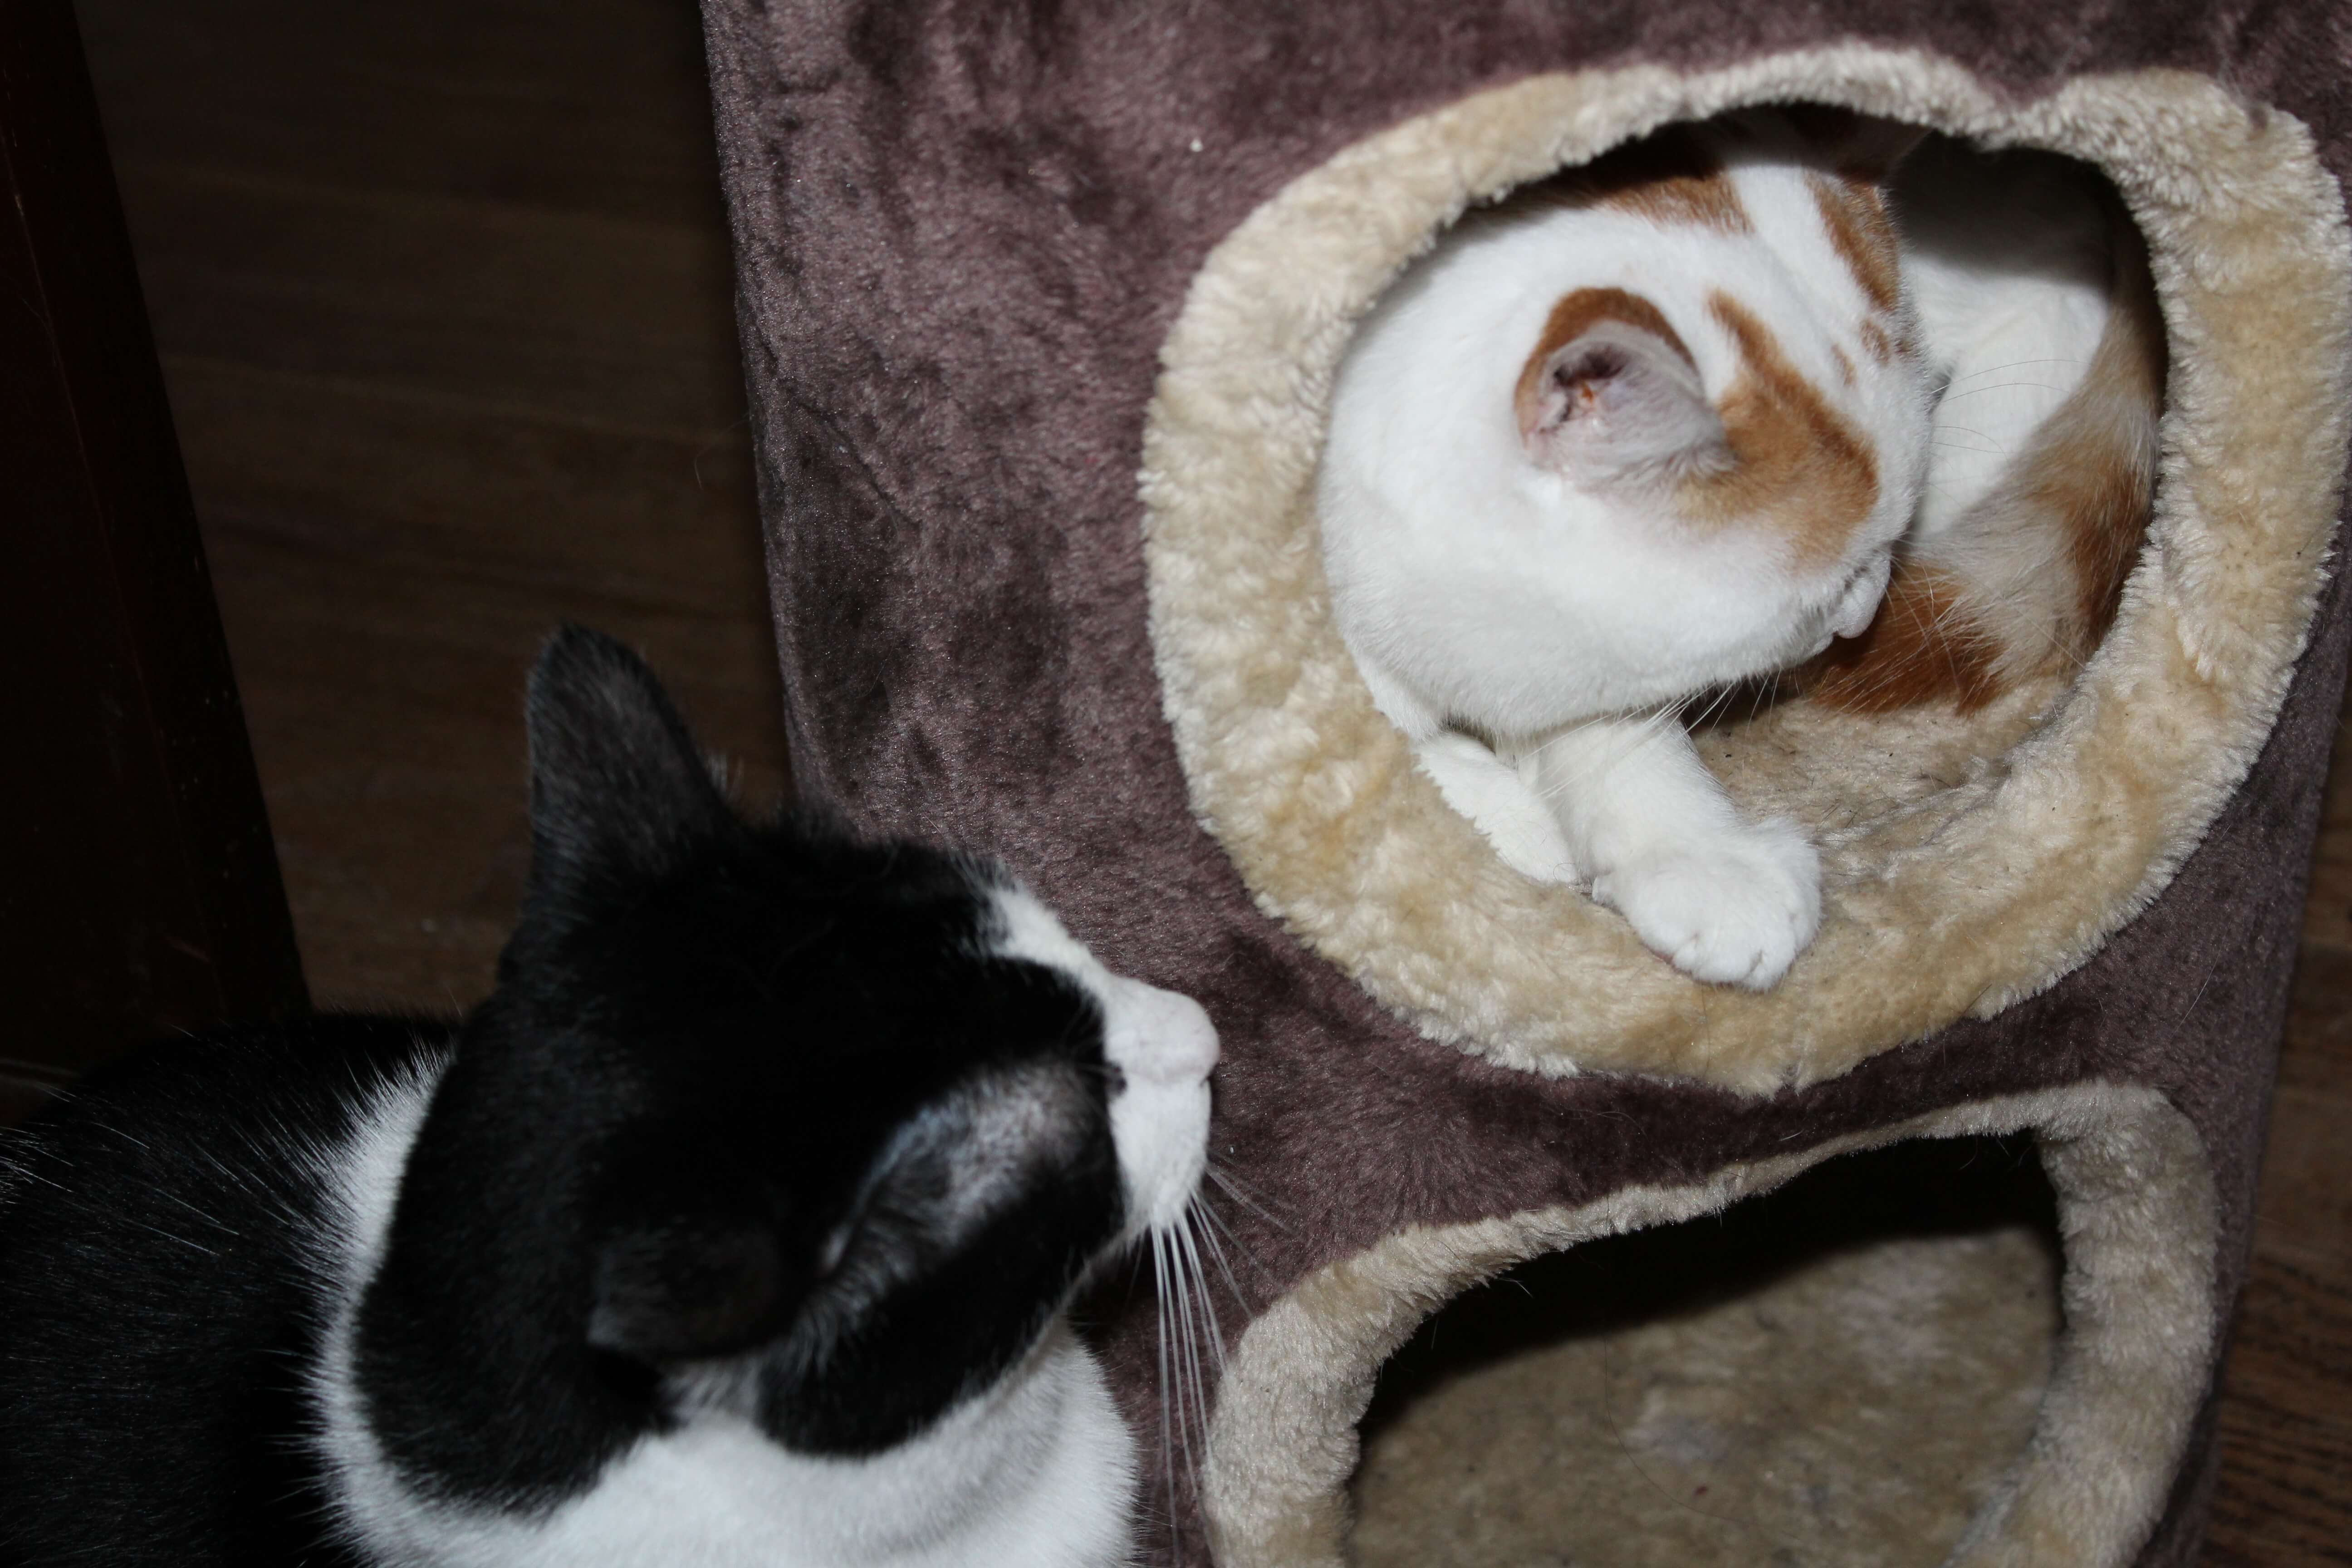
x=999 y=260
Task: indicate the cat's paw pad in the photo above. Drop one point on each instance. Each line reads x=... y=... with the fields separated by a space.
x=1735 y=908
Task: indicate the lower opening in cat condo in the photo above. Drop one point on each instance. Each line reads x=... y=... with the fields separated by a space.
x=1838 y=1372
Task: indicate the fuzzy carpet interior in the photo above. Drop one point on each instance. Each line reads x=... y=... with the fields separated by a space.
x=1835 y=1374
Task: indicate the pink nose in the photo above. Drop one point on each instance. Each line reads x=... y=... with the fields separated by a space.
x=1161 y=1036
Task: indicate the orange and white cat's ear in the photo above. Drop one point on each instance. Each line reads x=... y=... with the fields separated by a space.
x=1611 y=395
x=1858 y=146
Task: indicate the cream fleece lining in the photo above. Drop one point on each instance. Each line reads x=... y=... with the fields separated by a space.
x=1966 y=865
x=2137 y=1207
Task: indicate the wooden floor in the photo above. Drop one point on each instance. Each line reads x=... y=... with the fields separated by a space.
x=2286 y=1412
x=442 y=292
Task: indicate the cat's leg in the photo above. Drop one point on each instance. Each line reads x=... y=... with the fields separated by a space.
x=1719 y=897
x=1496 y=793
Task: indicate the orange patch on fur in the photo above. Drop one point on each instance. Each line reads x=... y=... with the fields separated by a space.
x=1855 y=215
x=1571 y=316
x=2112 y=508
x=2104 y=495
x=2096 y=467
x=1672 y=177
x=1794 y=459
x=1920 y=648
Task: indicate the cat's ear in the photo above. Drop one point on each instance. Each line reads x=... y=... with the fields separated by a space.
x=1858 y=146
x=684 y=1292
x=1611 y=394
x=616 y=784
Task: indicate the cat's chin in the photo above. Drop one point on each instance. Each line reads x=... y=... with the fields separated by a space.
x=1163 y=1046
x=1162 y=1132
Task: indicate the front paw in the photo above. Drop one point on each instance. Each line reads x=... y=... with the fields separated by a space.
x=1734 y=905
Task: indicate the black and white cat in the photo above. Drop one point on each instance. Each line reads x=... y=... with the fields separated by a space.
x=736 y=1227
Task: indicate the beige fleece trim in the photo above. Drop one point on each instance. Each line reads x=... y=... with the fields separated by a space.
x=1968 y=865
x=2139 y=1214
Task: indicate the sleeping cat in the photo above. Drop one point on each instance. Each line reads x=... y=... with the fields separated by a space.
x=1650 y=428
x=1671 y=422
x=736 y=1227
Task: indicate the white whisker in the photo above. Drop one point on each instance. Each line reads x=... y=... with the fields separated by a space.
x=1233 y=1187
x=2013 y=364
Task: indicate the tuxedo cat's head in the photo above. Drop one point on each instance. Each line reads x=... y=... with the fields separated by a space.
x=821 y=1133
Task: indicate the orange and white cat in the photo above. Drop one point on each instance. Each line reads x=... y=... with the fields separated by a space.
x=1667 y=424
x=1650 y=429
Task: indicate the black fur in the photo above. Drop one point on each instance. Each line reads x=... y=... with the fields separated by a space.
x=712 y=1111
x=157 y=1299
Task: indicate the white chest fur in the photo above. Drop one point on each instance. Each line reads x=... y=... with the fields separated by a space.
x=1037 y=1475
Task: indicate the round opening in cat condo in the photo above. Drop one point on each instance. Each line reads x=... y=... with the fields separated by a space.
x=1652 y=574
x=1837 y=1372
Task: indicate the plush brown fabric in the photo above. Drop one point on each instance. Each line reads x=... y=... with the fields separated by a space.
x=962 y=233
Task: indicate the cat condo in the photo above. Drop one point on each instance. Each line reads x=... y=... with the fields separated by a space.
x=996 y=262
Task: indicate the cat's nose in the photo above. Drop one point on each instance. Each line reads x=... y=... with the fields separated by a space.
x=1162 y=1037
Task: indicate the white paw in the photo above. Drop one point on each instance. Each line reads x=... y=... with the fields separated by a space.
x=1734 y=905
